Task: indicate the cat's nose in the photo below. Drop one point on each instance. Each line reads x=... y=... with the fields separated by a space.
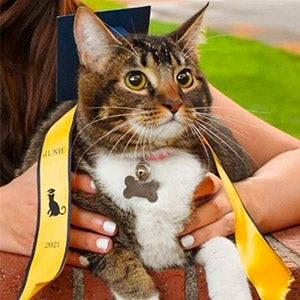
x=172 y=105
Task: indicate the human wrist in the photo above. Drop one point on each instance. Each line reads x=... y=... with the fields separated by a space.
x=4 y=201
x=248 y=190
x=4 y=225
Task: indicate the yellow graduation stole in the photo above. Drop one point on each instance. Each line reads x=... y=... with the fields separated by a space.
x=256 y=255
x=52 y=236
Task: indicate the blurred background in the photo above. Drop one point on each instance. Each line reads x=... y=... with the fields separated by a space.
x=252 y=52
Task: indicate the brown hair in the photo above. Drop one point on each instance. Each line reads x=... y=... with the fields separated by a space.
x=28 y=62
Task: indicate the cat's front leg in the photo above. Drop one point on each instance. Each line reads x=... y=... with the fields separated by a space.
x=124 y=273
x=226 y=280
x=120 y=268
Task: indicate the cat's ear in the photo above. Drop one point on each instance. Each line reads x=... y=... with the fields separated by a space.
x=190 y=34
x=93 y=39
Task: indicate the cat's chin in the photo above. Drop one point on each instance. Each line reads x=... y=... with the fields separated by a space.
x=162 y=133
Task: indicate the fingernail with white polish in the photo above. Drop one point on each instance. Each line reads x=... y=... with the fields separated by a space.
x=109 y=226
x=187 y=241
x=102 y=244
x=93 y=186
x=84 y=261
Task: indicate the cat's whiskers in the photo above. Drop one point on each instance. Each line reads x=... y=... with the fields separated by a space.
x=150 y=136
x=218 y=138
x=236 y=122
x=95 y=121
x=199 y=108
x=146 y=137
x=207 y=116
x=140 y=140
x=208 y=47
x=196 y=132
x=201 y=128
x=129 y=141
x=144 y=134
x=219 y=118
x=114 y=129
x=188 y=129
x=131 y=129
x=216 y=36
x=240 y=130
x=226 y=108
x=136 y=148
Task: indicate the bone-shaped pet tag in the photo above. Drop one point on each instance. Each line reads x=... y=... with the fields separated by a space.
x=140 y=188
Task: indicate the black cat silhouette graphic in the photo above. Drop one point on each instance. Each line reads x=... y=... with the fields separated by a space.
x=54 y=209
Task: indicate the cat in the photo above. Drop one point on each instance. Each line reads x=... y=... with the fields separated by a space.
x=54 y=209
x=143 y=107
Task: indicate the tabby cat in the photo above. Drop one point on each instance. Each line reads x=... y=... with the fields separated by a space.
x=143 y=106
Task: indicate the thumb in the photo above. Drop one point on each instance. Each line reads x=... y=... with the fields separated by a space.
x=209 y=186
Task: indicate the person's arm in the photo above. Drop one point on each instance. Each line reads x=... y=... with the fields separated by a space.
x=18 y=215
x=261 y=140
x=271 y=195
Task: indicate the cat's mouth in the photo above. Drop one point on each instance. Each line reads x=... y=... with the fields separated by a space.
x=166 y=129
x=171 y=120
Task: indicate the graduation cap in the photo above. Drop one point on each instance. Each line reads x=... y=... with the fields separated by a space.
x=121 y=22
x=51 y=191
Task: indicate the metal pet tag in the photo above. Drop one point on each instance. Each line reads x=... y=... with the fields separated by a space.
x=140 y=188
x=136 y=188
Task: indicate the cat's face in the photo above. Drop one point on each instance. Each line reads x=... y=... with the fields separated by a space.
x=142 y=92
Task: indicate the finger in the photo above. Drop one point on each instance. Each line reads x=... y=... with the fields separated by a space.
x=92 y=221
x=205 y=188
x=82 y=183
x=89 y=241
x=222 y=227
x=75 y=259
x=209 y=212
x=209 y=186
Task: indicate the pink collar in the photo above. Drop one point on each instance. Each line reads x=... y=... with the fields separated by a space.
x=157 y=156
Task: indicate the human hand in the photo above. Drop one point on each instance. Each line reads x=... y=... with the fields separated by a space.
x=18 y=204
x=213 y=218
x=89 y=231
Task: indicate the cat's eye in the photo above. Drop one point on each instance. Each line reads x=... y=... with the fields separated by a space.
x=136 y=80
x=185 y=79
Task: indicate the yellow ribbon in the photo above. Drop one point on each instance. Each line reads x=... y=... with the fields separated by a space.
x=52 y=236
x=264 y=268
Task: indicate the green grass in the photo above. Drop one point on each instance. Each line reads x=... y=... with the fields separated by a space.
x=102 y=4
x=262 y=79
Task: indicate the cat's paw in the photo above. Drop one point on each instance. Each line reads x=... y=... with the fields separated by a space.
x=226 y=279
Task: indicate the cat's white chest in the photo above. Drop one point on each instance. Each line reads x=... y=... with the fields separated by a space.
x=159 y=222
